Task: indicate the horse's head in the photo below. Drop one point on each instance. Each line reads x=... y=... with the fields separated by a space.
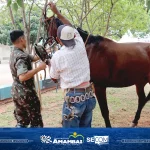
x=51 y=25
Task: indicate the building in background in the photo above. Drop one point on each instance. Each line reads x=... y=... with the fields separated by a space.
x=128 y=37
x=5 y=51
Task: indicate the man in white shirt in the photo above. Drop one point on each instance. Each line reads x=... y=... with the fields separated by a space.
x=71 y=65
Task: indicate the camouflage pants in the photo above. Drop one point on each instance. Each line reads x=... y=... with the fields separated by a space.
x=28 y=111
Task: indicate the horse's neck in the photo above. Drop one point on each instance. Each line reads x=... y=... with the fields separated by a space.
x=108 y=40
x=95 y=39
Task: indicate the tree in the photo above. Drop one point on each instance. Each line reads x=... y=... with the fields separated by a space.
x=26 y=15
x=11 y=14
x=6 y=25
x=29 y=18
x=109 y=18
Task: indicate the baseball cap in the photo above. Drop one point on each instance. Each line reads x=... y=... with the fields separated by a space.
x=66 y=34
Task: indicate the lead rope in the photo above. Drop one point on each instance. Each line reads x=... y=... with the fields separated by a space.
x=87 y=39
x=92 y=84
x=50 y=27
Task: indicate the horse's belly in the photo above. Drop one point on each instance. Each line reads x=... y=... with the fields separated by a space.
x=131 y=75
x=126 y=68
x=126 y=75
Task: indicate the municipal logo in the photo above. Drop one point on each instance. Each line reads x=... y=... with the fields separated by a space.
x=98 y=140
x=71 y=139
x=45 y=139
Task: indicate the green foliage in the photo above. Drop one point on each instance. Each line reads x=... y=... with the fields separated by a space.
x=148 y=5
x=95 y=16
x=9 y=3
x=125 y=14
x=6 y=24
x=20 y=2
x=15 y=6
x=4 y=34
x=133 y=17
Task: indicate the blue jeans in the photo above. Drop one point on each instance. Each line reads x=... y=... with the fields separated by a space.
x=82 y=112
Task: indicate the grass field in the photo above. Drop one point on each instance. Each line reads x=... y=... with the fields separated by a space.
x=122 y=104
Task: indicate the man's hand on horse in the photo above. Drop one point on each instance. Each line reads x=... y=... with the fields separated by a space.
x=53 y=8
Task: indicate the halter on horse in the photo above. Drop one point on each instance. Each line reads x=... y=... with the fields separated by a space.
x=114 y=65
x=50 y=40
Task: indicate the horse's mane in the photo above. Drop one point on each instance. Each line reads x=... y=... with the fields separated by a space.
x=92 y=38
x=84 y=34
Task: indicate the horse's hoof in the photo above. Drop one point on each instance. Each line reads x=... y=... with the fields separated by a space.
x=133 y=125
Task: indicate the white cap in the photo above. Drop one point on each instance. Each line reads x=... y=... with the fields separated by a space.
x=66 y=34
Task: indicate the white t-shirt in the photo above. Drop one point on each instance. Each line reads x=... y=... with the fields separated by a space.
x=71 y=65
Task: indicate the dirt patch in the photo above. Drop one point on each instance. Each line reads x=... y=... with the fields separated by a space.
x=122 y=103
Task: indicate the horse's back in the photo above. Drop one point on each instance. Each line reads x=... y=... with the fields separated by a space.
x=127 y=63
x=128 y=53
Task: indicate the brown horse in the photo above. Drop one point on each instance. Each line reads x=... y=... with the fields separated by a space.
x=114 y=65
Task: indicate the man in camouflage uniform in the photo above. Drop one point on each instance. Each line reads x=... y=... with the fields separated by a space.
x=27 y=105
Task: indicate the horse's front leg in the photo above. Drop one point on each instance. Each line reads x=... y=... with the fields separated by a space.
x=102 y=100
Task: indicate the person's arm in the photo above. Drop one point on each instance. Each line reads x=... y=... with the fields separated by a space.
x=35 y=58
x=22 y=69
x=63 y=19
x=59 y=15
x=31 y=73
x=54 y=73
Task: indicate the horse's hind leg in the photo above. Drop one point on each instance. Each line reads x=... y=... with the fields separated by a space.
x=101 y=97
x=141 y=102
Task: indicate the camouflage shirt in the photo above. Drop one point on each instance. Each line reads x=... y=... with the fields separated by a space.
x=20 y=63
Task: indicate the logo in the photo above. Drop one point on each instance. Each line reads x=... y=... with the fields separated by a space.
x=72 y=139
x=69 y=36
x=98 y=139
x=77 y=137
x=45 y=139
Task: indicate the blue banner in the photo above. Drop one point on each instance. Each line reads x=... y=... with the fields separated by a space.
x=75 y=139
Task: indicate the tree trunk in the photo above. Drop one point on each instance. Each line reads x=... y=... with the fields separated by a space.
x=39 y=30
x=38 y=35
x=26 y=28
x=11 y=16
